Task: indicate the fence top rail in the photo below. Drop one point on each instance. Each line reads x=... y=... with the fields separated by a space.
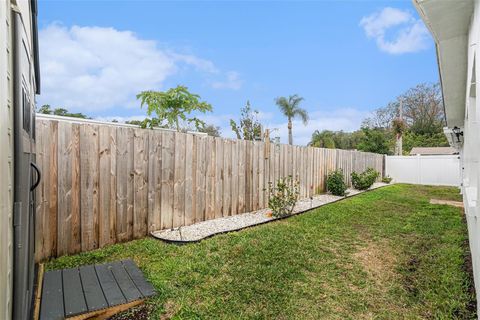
x=49 y=117
x=430 y=156
x=42 y=116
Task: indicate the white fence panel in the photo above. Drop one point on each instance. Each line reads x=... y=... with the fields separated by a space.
x=442 y=170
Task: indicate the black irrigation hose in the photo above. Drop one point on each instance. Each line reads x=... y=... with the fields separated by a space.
x=184 y=242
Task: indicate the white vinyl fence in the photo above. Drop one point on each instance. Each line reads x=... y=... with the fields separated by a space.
x=441 y=170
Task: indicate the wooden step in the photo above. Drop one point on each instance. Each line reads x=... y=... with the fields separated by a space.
x=98 y=291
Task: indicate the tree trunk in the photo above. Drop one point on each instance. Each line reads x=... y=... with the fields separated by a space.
x=290 y=136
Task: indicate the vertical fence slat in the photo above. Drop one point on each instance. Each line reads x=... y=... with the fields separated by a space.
x=248 y=175
x=315 y=170
x=219 y=178
x=241 y=176
x=154 y=180
x=75 y=239
x=140 y=183
x=201 y=176
x=107 y=185
x=271 y=164
x=254 y=190
x=123 y=153
x=261 y=171
x=179 y=184
x=190 y=179
x=234 y=190
x=89 y=162
x=266 y=173
x=65 y=187
x=227 y=177
x=277 y=163
x=68 y=189
x=168 y=163
x=210 y=158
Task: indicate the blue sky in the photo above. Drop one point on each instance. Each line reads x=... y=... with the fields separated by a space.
x=345 y=58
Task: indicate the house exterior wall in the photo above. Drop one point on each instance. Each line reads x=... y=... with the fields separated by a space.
x=6 y=162
x=455 y=27
x=470 y=151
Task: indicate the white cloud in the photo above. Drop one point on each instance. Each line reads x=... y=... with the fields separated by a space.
x=411 y=35
x=94 y=68
x=198 y=63
x=232 y=81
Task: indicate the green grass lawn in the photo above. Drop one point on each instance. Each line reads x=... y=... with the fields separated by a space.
x=384 y=254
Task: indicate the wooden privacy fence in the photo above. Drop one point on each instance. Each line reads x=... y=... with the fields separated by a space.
x=104 y=184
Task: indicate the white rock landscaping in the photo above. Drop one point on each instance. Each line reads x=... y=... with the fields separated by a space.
x=204 y=229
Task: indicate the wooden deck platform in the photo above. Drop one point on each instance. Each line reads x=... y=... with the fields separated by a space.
x=93 y=291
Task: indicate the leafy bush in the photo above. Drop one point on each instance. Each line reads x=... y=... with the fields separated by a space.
x=365 y=179
x=387 y=179
x=335 y=183
x=283 y=196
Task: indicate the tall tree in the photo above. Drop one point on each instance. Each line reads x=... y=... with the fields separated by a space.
x=375 y=140
x=174 y=106
x=336 y=139
x=46 y=109
x=423 y=109
x=411 y=139
x=248 y=128
x=211 y=130
x=382 y=117
x=290 y=107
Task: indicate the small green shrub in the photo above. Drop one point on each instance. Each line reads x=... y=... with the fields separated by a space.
x=283 y=196
x=365 y=179
x=387 y=179
x=336 y=183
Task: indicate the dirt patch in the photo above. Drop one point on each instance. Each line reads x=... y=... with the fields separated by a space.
x=409 y=281
x=169 y=310
x=141 y=312
x=447 y=202
x=377 y=259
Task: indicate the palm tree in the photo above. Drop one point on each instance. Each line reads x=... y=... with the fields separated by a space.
x=291 y=109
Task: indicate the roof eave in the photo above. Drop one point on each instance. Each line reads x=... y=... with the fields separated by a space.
x=448 y=22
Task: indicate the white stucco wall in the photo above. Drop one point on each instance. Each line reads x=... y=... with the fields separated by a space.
x=6 y=163
x=471 y=148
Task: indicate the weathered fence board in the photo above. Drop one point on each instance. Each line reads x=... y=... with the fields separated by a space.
x=168 y=163
x=104 y=184
x=210 y=159
x=179 y=184
x=190 y=180
x=89 y=170
x=123 y=173
x=200 y=180
x=218 y=183
x=154 y=181
x=140 y=183
x=110 y=187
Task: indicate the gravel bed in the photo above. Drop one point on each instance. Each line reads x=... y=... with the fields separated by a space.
x=201 y=230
